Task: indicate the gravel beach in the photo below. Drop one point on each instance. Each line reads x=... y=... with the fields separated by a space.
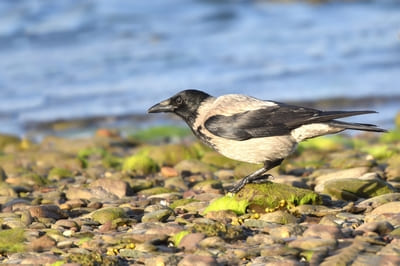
x=112 y=200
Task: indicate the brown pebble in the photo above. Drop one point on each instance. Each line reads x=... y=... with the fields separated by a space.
x=167 y=171
x=43 y=243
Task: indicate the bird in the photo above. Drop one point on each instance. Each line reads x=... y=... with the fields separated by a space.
x=251 y=130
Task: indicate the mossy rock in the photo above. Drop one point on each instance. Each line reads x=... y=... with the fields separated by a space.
x=264 y=196
x=217 y=160
x=108 y=214
x=92 y=258
x=181 y=202
x=154 y=191
x=215 y=228
x=176 y=239
x=353 y=188
x=169 y=154
x=59 y=173
x=381 y=151
x=12 y=241
x=140 y=164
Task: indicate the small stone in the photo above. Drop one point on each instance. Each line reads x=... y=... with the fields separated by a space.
x=197 y=260
x=259 y=239
x=43 y=243
x=167 y=172
x=190 y=241
x=382 y=228
x=342 y=174
x=119 y=188
x=390 y=207
x=374 y=202
x=212 y=242
x=353 y=188
x=47 y=211
x=157 y=216
x=280 y=217
x=193 y=166
x=310 y=243
x=323 y=231
x=107 y=214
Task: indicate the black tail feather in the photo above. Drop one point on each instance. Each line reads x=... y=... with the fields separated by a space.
x=357 y=126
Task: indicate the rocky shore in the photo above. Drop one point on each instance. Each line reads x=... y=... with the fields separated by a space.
x=157 y=200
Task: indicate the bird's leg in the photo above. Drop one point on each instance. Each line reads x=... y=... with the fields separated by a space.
x=257 y=177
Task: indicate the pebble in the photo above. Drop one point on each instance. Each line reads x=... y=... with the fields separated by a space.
x=101 y=215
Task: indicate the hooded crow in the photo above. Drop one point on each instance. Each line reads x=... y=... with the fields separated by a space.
x=251 y=130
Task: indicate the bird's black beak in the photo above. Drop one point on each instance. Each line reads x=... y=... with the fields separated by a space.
x=164 y=106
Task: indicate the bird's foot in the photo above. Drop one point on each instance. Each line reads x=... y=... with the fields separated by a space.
x=250 y=179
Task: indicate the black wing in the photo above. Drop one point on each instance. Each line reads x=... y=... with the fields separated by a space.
x=271 y=121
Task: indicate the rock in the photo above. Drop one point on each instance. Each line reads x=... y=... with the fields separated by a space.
x=392 y=218
x=140 y=164
x=353 y=189
x=342 y=174
x=43 y=243
x=374 y=202
x=190 y=241
x=280 y=217
x=108 y=214
x=59 y=173
x=119 y=188
x=193 y=166
x=47 y=211
x=210 y=185
x=157 y=216
x=277 y=250
x=222 y=216
x=260 y=239
x=12 y=240
x=382 y=228
x=176 y=184
x=310 y=243
x=315 y=210
x=154 y=191
x=393 y=168
x=390 y=207
x=167 y=171
x=197 y=260
x=323 y=231
x=212 y=242
x=170 y=154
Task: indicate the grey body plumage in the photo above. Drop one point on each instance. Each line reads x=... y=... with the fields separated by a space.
x=252 y=130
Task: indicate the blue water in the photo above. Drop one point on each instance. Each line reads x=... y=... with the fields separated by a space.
x=69 y=59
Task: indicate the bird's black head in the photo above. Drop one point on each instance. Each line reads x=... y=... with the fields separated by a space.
x=184 y=104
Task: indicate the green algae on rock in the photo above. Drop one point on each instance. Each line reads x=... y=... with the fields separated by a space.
x=264 y=196
x=154 y=191
x=57 y=173
x=176 y=239
x=169 y=154
x=12 y=240
x=140 y=164
x=108 y=214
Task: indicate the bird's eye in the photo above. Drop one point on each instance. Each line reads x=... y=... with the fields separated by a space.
x=179 y=100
